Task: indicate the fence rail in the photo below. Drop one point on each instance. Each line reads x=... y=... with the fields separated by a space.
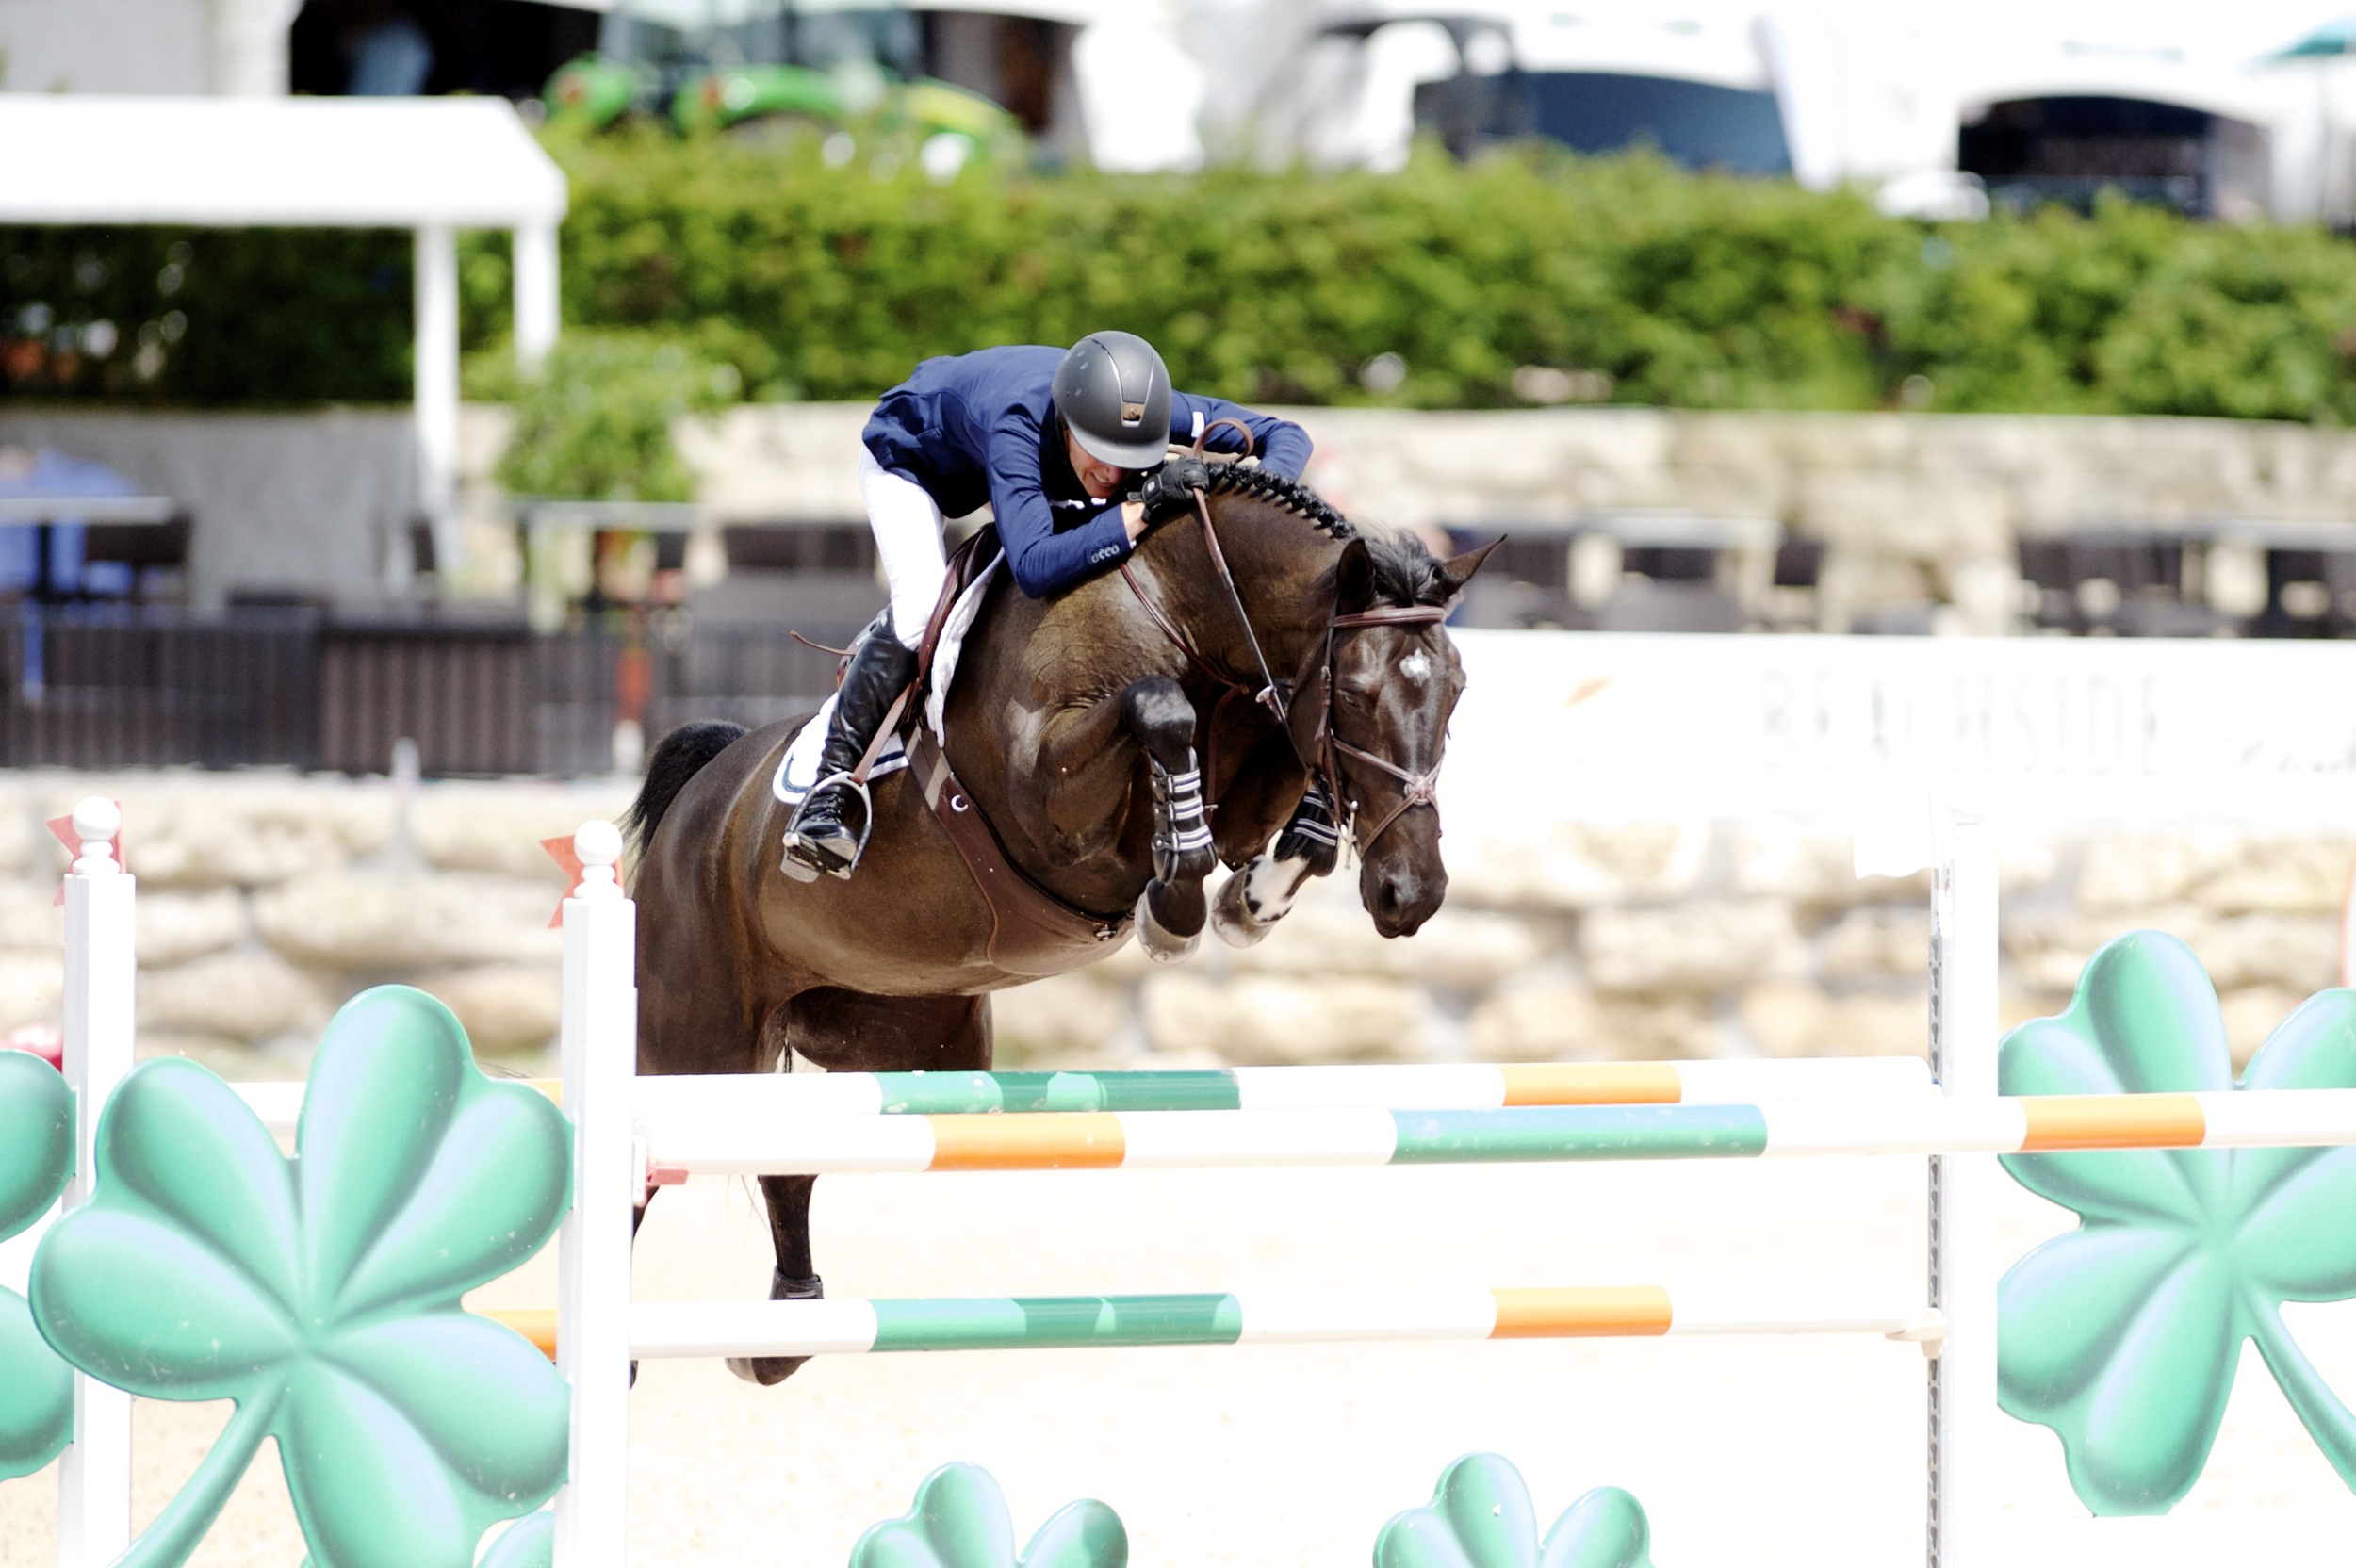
x=746 y=671
x=140 y=687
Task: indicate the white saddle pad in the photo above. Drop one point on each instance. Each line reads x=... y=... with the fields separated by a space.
x=797 y=773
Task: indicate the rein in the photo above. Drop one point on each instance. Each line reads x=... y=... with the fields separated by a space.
x=1270 y=696
x=1267 y=696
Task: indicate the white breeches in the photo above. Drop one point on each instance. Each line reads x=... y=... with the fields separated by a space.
x=907 y=540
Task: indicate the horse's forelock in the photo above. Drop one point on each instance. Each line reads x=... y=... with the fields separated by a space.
x=1405 y=573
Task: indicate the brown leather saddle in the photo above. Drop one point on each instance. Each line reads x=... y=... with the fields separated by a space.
x=1033 y=931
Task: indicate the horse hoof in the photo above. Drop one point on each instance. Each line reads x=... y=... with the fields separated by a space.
x=1230 y=916
x=767 y=1371
x=1160 y=944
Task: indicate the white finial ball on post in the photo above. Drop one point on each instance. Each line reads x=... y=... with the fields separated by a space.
x=598 y=843
x=96 y=821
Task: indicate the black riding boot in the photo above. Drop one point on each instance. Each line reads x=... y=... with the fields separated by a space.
x=823 y=836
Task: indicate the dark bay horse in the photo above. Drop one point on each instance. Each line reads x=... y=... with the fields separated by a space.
x=1057 y=707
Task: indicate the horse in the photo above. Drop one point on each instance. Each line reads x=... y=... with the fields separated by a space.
x=1072 y=725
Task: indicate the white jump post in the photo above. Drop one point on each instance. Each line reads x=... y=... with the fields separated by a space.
x=601 y=1060
x=1963 y=1248
x=100 y=968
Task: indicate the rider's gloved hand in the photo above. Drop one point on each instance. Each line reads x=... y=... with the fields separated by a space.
x=1169 y=490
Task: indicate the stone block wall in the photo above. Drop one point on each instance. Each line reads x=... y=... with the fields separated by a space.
x=1923 y=509
x=266 y=900
x=1598 y=941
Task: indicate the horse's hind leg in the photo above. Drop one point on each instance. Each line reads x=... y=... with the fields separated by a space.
x=794 y=1278
x=1171 y=915
x=852 y=1032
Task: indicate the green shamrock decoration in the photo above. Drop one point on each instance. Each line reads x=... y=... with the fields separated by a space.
x=530 y=1542
x=1480 y=1516
x=959 y=1520
x=322 y=1293
x=36 y=1158
x=2124 y=1335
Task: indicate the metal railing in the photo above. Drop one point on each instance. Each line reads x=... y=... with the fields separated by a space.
x=116 y=686
x=747 y=673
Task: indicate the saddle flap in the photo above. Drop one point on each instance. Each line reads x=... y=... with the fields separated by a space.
x=968 y=562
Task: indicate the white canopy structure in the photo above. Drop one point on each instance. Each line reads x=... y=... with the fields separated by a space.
x=433 y=164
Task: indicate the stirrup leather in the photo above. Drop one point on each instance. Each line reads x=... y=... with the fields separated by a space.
x=797 y=864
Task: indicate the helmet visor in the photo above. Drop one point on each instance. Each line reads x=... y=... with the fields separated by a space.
x=1131 y=454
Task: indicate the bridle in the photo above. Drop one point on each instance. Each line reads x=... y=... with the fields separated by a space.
x=1317 y=753
x=1416 y=788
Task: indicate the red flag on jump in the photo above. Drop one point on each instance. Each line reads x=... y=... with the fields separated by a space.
x=62 y=828
x=561 y=851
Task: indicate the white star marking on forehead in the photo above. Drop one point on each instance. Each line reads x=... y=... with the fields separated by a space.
x=1416 y=665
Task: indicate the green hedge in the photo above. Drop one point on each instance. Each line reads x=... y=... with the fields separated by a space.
x=1687 y=290
x=594 y=419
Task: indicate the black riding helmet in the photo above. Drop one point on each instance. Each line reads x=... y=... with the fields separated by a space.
x=1113 y=391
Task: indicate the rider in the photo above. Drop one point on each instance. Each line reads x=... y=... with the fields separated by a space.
x=1057 y=443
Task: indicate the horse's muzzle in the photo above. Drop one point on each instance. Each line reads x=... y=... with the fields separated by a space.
x=1399 y=896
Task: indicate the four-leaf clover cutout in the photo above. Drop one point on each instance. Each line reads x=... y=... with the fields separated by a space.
x=322 y=1293
x=36 y=1158
x=2124 y=1334
x=1480 y=1516
x=959 y=1520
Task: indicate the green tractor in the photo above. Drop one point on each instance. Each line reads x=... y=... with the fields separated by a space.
x=707 y=66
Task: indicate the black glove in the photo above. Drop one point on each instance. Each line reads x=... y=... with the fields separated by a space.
x=1169 y=490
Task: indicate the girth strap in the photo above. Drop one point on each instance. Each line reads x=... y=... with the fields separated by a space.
x=1032 y=931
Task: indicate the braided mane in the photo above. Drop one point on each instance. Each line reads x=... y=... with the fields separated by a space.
x=1405 y=573
x=1287 y=495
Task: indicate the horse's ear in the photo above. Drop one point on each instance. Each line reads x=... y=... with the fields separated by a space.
x=1353 y=579
x=1458 y=569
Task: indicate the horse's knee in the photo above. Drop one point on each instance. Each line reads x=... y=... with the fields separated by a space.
x=1155 y=710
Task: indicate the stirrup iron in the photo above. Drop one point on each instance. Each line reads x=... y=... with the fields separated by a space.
x=803 y=870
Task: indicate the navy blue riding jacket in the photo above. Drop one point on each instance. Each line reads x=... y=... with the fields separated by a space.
x=982 y=427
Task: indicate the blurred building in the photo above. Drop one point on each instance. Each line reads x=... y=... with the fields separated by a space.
x=1943 y=110
x=1099 y=80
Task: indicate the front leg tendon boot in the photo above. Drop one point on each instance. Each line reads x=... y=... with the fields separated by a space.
x=1314 y=833
x=1181 y=833
x=822 y=837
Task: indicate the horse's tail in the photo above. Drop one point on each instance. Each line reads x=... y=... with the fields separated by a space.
x=679 y=756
